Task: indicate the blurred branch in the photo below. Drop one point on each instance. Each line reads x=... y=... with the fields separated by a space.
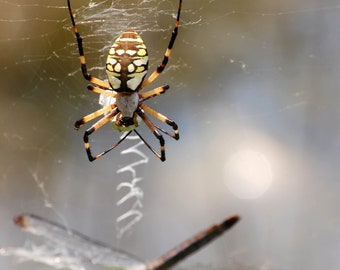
x=64 y=247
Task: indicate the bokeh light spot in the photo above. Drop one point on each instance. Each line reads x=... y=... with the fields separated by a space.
x=248 y=174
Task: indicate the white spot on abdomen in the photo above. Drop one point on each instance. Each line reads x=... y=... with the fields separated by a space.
x=134 y=82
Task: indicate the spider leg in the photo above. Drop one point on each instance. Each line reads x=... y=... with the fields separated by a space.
x=146 y=143
x=86 y=75
x=152 y=93
x=94 y=128
x=164 y=119
x=101 y=91
x=161 y=67
x=91 y=158
x=155 y=132
x=92 y=116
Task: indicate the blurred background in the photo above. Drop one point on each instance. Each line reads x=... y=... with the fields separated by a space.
x=254 y=88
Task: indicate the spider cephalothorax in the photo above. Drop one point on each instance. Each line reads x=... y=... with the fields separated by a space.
x=126 y=68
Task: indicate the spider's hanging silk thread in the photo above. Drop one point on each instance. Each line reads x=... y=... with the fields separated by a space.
x=133 y=193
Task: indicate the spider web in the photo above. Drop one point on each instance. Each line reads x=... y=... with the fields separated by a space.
x=243 y=74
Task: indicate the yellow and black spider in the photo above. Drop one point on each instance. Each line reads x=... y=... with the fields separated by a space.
x=126 y=68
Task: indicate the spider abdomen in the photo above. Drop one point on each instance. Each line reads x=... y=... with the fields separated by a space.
x=127 y=62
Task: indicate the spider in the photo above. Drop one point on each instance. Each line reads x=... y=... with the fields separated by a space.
x=126 y=68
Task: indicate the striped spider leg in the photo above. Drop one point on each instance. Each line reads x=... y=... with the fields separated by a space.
x=87 y=76
x=126 y=68
x=111 y=112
